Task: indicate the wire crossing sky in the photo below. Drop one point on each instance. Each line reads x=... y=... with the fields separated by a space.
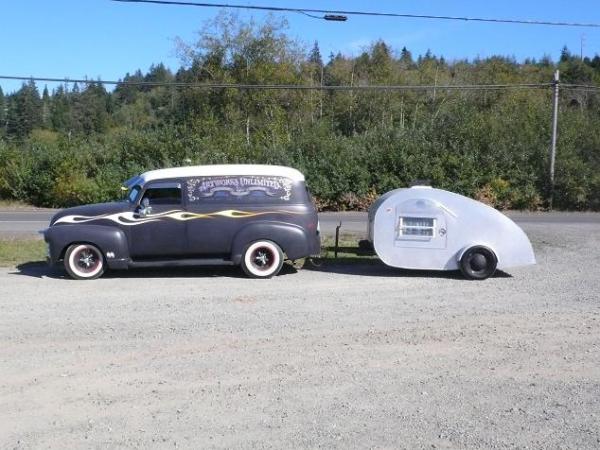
x=366 y=13
x=109 y=39
x=303 y=87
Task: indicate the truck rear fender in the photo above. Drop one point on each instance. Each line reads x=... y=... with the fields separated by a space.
x=291 y=238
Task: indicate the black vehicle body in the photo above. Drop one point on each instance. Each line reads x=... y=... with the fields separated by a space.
x=204 y=215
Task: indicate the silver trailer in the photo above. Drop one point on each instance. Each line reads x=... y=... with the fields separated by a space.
x=432 y=229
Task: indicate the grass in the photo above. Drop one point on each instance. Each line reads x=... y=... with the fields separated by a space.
x=348 y=250
x=14 y=204
x=14 y=252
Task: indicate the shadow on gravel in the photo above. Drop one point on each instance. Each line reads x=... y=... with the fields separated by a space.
x=41 y=269
x=372 y=267
x=369 y=267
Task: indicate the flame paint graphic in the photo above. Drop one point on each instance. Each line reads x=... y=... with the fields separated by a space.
x=132 y=219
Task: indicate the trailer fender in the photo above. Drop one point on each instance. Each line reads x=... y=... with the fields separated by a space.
x=461 y=253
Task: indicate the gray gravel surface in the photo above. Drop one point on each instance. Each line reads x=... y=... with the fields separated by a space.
x=349 y=356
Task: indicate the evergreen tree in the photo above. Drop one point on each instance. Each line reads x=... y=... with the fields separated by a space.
x=46 y=108
x=127 y=93
x=60 y=110
x=565 y=55
x=315 y=55
x=380 y=62
x=89 y=109
x=406 y=59
x=26 y=113
x=3 y=108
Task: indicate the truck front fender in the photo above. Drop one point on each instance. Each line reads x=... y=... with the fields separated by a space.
x=111 y=241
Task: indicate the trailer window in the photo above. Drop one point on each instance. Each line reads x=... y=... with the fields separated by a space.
x=417 y=227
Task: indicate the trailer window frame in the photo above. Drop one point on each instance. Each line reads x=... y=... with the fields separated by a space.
x=421 y=228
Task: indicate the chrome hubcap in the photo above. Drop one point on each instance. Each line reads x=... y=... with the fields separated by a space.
x=87 y=260
x=262 y=258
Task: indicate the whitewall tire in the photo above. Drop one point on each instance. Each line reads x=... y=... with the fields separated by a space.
x=262 y=259
x=84 y=262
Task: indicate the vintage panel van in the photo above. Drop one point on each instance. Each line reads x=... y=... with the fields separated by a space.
x=254 y=216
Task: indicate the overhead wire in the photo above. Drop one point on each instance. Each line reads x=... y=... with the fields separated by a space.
x=302 y=87
x=368 y=13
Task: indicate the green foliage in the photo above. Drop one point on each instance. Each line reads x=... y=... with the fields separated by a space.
x=20 y=251
x=77 y=144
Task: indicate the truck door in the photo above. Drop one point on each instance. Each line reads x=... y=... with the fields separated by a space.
x=161 y=231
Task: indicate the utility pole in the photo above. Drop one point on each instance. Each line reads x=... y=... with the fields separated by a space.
x=554 y=136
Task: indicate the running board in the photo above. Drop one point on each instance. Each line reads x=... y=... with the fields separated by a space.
x=180 y=263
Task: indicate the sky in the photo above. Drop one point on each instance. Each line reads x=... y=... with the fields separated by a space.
x=106 y=39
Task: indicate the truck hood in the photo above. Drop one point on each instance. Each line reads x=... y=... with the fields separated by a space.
x=81 y=213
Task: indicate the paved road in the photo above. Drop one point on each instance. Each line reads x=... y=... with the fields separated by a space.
x=356 y=222
x=27 y=223
x=23 y=223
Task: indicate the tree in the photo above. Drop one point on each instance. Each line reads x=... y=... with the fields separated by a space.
x=314 y=56
x=3 y=108
x=26 y=113
x=380 y=62
x=127 y=93
x=46 y=105
x=565 y=54
x=60 y=110
x=406 y=59
x=89 y=109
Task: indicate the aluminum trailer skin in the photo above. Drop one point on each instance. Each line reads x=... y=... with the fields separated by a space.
x=433 y=229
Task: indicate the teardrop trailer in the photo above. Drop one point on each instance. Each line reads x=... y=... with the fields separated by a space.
x=253 y=216
x=433 y=229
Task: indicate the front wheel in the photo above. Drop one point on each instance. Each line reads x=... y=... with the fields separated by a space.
x=262 y=259
x=478 y=263
x=84 y=262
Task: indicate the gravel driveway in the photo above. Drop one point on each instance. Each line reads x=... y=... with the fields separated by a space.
x=351 y=356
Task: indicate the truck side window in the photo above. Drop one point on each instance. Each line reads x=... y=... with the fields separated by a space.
x=164 y=194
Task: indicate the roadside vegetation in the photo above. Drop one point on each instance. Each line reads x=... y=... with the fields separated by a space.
x=76 y=144
x=20 y=251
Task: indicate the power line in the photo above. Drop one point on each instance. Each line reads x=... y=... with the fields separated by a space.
x=299 y=87
x=366 y=13
x=581 y=87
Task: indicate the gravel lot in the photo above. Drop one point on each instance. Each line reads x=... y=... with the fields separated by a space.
x=352 y=356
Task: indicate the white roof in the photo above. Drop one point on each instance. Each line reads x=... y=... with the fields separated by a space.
x=217 y=170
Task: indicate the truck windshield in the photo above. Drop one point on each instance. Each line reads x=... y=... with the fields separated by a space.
x=133 y=193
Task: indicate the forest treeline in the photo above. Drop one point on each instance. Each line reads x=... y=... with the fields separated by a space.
x=77 y=143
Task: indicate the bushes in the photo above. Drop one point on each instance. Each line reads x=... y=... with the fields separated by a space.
x=483 y=154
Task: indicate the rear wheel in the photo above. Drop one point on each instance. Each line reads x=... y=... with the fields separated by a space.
x=262 y=259
x=84 y=262
x=478 y=263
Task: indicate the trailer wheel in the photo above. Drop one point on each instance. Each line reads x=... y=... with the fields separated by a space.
x=478 y=263
x=262 y=259
x=84 y=262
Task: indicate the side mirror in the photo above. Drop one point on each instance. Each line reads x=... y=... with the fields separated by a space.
x=145 y=209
